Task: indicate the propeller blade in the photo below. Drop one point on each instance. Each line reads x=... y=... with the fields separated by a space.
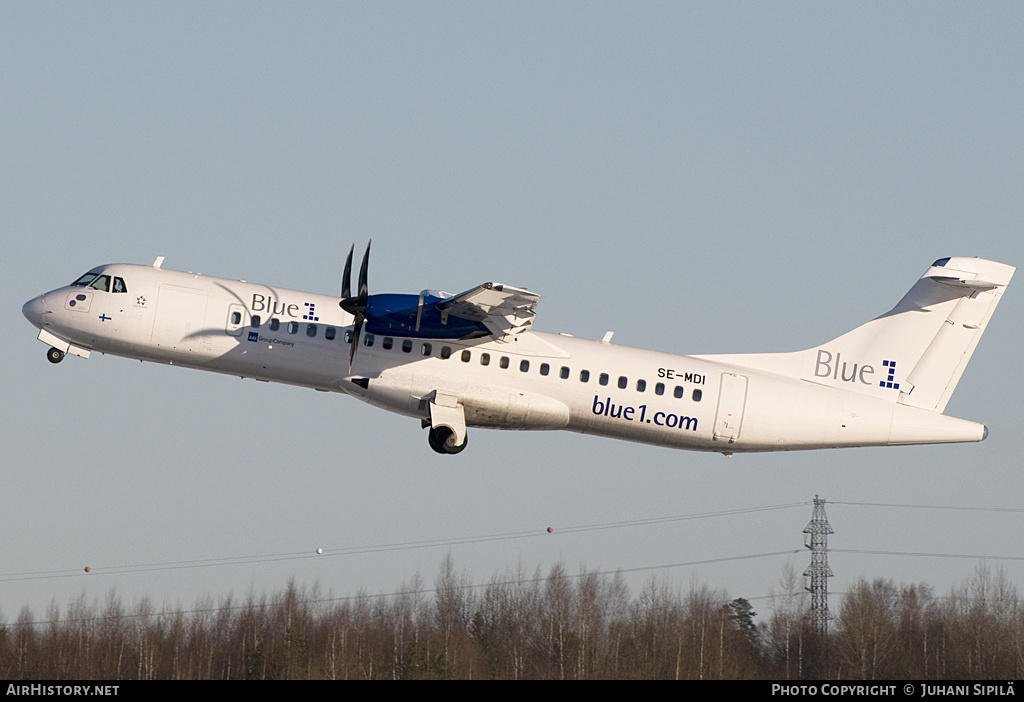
x=346 y=279
x=363 y=290
x=355 y=341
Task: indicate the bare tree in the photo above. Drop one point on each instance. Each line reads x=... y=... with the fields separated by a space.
x=453 y=607
x=867 y=621
x=787 y=628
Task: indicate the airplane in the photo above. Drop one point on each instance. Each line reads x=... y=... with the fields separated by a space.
x=473 y=359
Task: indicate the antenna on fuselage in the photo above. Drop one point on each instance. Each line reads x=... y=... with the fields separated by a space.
x=158 y=262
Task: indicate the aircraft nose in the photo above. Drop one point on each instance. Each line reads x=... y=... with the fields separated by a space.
x=34 y=310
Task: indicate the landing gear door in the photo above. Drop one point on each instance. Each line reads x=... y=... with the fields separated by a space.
x=732 y=396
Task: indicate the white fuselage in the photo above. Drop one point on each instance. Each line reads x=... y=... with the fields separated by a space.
x=533 y=381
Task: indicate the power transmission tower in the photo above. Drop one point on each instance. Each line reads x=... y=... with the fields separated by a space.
x=818 y=571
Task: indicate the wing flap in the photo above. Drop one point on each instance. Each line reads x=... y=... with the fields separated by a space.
x=505 y=310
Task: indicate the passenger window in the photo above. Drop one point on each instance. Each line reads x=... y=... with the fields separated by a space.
x=387 y=342
x=275 y=324
x=659 y=389
x=544 y=368
x=425 y=349
x=584 y=376
x=311 y=330
x=119 y=286
x=603 y=379
x=678 y=392
x=466 y=355
x=329 y=333
x=348 y=336
x=623 y=382
x=564 y=373
x=697 y=394
x=446 y=352
x=368 y=340
x=236 y=318
x=503 y=362
x=407 y=346
x=485 y=359
x=256 y=320
x=641 y=385
x=524 y=365
x=293 y=327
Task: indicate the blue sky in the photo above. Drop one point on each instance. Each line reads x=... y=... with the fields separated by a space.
x=699 y=178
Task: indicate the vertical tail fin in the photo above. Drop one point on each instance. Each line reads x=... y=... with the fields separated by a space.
x=915 y=353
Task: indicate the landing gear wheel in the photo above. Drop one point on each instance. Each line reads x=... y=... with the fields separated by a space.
x=54 y=355
x=442 y=439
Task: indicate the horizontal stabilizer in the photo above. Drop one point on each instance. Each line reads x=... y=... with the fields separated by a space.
x=975 y=284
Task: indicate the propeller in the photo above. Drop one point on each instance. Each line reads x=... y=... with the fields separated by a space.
x=355 y=306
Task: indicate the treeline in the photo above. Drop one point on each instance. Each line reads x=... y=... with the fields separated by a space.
x=523 y=625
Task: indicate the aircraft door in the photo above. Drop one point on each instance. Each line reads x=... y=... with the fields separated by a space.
x=179 y=318
x=732 y=397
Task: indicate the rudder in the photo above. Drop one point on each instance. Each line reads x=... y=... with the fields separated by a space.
x=935 y=377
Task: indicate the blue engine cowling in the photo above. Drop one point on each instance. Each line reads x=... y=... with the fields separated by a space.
x=416 y=316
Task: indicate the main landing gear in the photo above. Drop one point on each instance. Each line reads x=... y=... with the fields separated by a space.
x=54 y=355
x=442 y=440
x=447 y=423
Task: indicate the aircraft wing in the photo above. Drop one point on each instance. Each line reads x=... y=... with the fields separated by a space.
x=505 y=311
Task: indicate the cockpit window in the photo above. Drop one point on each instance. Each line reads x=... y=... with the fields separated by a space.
x=102 y=282
x=97 y=281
